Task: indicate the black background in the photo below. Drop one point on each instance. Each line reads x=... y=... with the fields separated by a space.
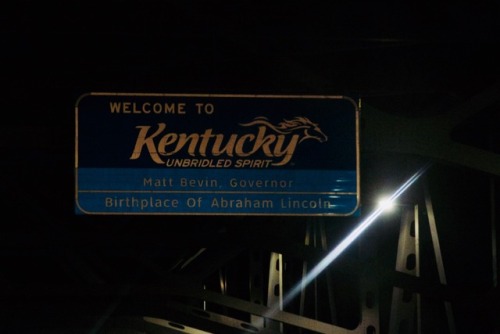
x=410 y=61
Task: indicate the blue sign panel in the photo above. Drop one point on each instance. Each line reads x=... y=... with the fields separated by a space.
x=205 y=154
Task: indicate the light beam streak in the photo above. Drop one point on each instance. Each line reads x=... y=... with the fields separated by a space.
x=346 y=242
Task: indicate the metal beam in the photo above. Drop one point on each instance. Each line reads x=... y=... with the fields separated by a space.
x=430 y=136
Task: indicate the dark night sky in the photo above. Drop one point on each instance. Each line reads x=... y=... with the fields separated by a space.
x=411 y=62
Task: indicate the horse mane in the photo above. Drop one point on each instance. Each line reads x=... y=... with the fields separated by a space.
x=286 y=126
x=289 y=125
x=297 y=122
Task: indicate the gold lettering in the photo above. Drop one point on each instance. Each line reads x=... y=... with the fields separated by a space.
x=287 y=152
x=228 y=148
x=183 y=139
x=271 y=145
x=144 y=140
x=166 y=140
x=126 y=107
x=241 y=142
x=170 y=108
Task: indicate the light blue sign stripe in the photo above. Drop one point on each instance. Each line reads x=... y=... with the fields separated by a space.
x=230 y=191
x=207 y=203
x=195 y=180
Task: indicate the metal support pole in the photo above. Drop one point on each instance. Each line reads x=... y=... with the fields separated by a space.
x=316 y=236
x=256 y=285
x=439 y=258
x=275 y=288
x=369 y=291
x=405 y=307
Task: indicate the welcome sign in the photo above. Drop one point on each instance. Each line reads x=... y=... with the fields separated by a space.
x=209 y=154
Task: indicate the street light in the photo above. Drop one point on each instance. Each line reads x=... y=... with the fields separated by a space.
x=386 y=204
x=348 y=240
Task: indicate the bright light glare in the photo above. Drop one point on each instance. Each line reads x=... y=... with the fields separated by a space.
x=386 y=204
x=326 y=261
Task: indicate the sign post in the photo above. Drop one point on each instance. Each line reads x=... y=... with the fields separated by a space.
x=208 y=154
